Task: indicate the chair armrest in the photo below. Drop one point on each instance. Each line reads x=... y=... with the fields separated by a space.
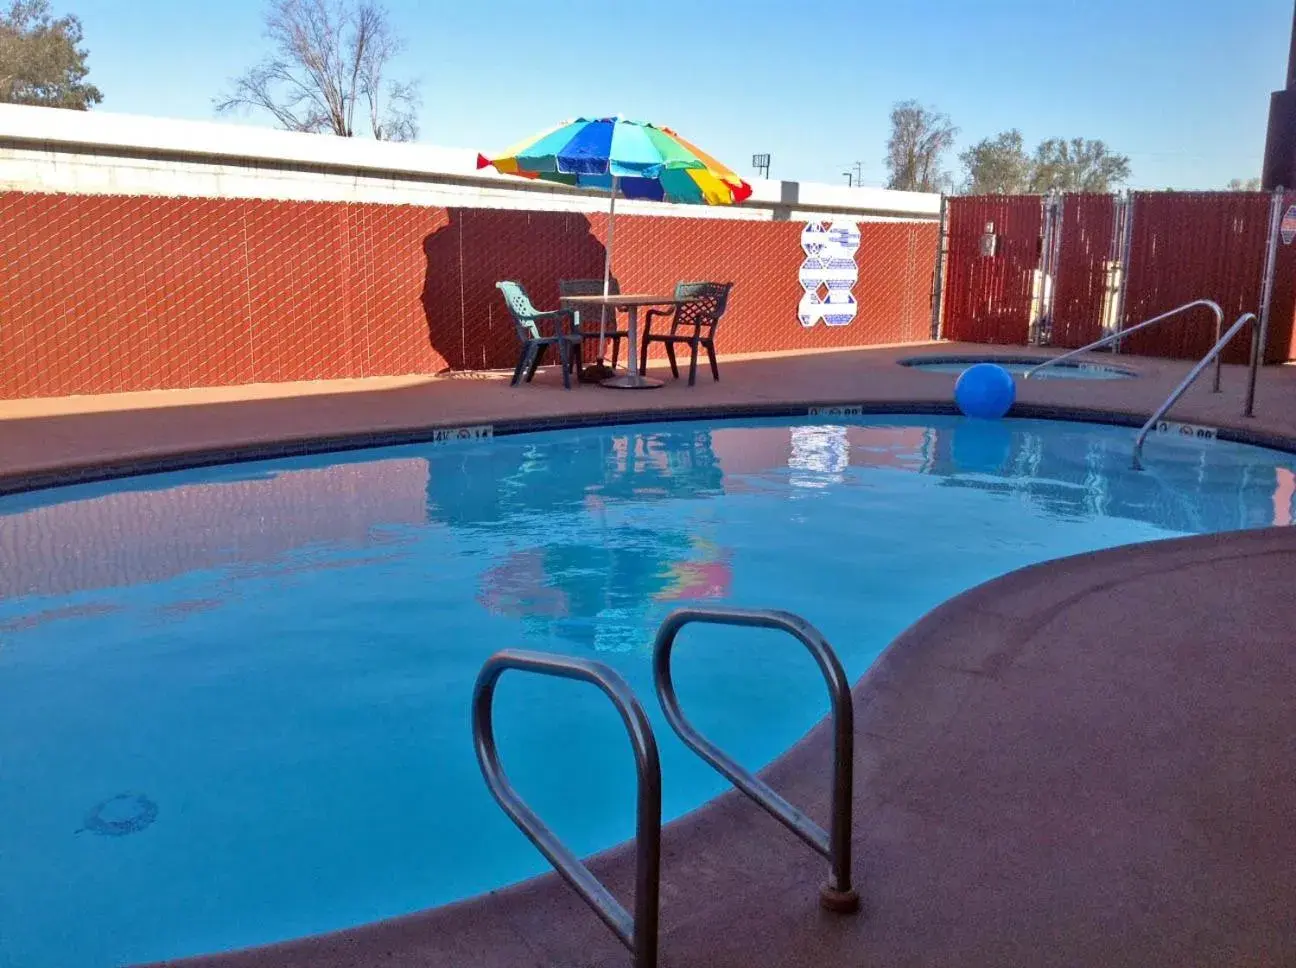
x=658 y=312
x=557 y=315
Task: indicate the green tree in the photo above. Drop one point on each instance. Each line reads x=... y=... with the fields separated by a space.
x=42 y=61
x=920 y=138
x=997 y=166
x=329 y=60
x=1248 y=185
x=1077 y=165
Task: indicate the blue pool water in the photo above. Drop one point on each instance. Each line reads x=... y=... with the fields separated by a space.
x=1060 y=371
x=234 y=701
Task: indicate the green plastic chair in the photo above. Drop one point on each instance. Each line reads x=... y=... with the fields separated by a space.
x=534 y=344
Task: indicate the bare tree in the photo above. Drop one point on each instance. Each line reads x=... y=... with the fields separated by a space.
x=329 y=58
x=1244 y=185
x=919 y=140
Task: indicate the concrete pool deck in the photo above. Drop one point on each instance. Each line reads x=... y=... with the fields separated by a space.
x=1088 y=762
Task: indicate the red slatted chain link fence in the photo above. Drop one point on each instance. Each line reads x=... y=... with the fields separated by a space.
x=102 y=294
x=1181 y=246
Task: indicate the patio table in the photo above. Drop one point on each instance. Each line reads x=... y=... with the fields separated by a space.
x=630 y=302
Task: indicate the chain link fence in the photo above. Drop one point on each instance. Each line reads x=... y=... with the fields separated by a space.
x=1065 y=270
x=107 y=294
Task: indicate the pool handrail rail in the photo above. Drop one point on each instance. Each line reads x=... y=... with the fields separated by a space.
x=1214 y=354
x=637 y=933
x=837 y=895
x=1117 y=336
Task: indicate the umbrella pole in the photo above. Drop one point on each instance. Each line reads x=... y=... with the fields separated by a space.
x=607 y=271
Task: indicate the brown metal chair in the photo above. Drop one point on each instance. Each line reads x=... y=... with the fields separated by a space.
x=594 y=287
x=693 y=322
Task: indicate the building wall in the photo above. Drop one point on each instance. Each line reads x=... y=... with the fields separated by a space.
x=45 y=150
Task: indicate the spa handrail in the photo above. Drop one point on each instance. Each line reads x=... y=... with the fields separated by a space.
x=1214 y=354
x=1116 y=337
x=835 y=846
x=638 y=933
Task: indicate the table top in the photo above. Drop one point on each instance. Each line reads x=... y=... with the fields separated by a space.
x=623 y=299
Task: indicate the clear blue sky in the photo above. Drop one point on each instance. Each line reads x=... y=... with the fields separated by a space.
x=1180 y=87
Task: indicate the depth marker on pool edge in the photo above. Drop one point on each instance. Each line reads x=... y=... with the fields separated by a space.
x=851 y=411
x=447 y=435
x=1196 y=431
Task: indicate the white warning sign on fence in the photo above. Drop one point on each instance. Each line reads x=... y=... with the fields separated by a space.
x=829 y=273
x=1287 y=227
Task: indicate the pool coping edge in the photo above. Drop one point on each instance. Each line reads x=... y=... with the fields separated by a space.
x=97 y=471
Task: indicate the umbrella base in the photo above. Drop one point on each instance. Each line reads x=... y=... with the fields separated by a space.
x=632 y=381
x=597 y=372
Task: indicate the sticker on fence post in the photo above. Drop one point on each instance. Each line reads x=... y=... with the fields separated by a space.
x=1287 y=227
x=828 y=273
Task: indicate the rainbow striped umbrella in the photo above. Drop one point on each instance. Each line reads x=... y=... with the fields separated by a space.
x=630 y=158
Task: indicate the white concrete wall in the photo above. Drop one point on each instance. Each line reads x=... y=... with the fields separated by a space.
x=48 y=150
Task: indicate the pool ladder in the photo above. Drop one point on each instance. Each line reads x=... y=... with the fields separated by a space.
x=1222 y=339
x=639 y=932
x=1248 y=409
x=1116 y=337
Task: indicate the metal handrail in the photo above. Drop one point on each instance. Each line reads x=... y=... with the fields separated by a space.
x=1117 y=337
x=1216 y=350
x=639 y=933
x=837 y=895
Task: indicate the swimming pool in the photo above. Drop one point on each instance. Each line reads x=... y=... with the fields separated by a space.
x=1018 y=365
x=234 y=701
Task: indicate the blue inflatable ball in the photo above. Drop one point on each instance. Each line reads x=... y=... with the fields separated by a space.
x=985 y=391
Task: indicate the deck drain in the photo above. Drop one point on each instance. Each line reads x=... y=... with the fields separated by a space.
x=126 y=813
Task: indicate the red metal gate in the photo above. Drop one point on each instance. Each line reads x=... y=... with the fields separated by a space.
x=1085 y=277
x=989 y=289
x=1194 y=245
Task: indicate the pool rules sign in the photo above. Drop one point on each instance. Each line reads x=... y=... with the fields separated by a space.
x=1287 y=227
x=828 y=273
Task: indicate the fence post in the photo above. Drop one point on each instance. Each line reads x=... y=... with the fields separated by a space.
x=1055 y=267
x=1270 y=266
x=1127 y=235
x=1040 y=331
x=938 y=276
